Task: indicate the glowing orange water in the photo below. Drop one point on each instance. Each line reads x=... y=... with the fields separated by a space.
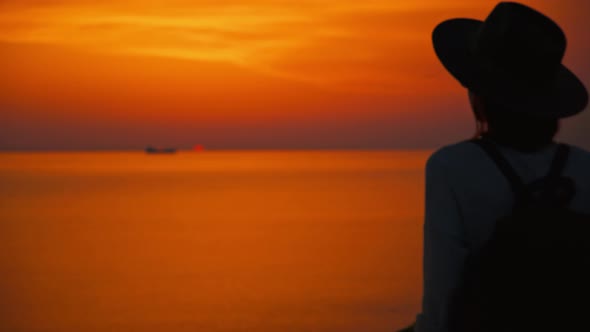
x=221 y=241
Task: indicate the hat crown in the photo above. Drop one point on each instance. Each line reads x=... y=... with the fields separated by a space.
x=521 y=41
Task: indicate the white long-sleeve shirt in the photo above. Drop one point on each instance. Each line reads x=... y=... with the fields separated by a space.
x=465 y=194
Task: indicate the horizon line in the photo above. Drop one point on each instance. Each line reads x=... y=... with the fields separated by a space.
x=185 y=150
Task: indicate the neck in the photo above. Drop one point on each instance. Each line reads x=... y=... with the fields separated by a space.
x=522 y=145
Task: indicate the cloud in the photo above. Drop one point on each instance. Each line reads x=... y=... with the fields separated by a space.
x=334 y=43
x=370 y=46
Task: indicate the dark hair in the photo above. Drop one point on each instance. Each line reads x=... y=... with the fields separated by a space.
x=518 y=130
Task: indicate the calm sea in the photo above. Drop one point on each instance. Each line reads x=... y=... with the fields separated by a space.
x=212 y=241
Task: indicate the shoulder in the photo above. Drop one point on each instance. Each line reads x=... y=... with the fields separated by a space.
x=578 y=167
x=579 y=155
x=454 y=157
x=463 y=167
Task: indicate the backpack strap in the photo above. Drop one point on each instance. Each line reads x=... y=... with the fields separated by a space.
x=516 y=184
x=559 y=161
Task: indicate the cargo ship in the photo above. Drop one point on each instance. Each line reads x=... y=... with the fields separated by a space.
x=151 y=149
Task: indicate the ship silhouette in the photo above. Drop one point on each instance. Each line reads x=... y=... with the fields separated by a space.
x=153 y=149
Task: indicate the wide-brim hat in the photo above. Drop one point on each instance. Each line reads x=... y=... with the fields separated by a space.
x=513 y=58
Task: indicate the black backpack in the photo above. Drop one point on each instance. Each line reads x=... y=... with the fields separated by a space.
x=534 y=273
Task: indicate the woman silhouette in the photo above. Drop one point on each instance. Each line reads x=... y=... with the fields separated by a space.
x=518 y=90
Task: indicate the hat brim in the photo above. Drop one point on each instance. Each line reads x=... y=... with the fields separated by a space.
x=453 y=39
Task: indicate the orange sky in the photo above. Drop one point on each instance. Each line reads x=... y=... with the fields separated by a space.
x=242 y=74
